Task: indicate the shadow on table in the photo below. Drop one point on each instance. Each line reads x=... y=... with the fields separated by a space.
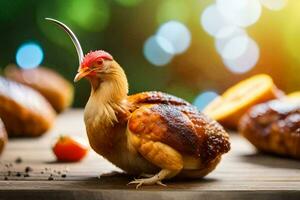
x=116 y=178
x=270 y=160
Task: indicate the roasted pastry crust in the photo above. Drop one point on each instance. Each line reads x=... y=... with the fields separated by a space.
x=57 y=90
x=24 y=111
x=274 y=127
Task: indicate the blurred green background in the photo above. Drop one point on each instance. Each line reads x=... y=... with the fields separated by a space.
x=122 y=27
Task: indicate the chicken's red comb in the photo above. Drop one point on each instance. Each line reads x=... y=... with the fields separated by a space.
x=93 y=56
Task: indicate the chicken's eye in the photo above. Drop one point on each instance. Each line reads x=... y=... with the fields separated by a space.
x=99 y=62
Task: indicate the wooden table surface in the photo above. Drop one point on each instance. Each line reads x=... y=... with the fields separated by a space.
x=242 y=174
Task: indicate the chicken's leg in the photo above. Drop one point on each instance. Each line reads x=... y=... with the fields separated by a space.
x=161 y=155
x=156 y=179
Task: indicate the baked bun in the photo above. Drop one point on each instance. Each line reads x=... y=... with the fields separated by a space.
x=57 y=90
x=274 y=127
x=3 y=136
x=24 y=111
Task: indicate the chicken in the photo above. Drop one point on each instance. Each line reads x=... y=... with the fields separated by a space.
x=151 y=133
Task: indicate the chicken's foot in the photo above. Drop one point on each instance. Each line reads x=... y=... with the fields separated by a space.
x=155 y=179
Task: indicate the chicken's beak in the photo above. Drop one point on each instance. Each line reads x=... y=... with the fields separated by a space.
x=81 y=74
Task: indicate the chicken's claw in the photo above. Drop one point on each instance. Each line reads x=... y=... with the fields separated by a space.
x=146 y=181
x=155 y=179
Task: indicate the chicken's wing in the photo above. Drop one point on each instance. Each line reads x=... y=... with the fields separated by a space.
x=168 y=135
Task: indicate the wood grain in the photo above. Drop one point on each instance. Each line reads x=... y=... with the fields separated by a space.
x=242 y=174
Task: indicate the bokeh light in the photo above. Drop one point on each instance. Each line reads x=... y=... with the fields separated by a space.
x=203 y=99
x=158 y=50
x=242 y=13
x=226 y=21
x=212 y=21
x=29 y=55
x=226 y=35
x=274 y=4
x=173 y=10
x=235 y=47
x=131 y=23
x=172 y=38
x=128 y=2
x=246 y=61
x=177 y=34
x=92 y=15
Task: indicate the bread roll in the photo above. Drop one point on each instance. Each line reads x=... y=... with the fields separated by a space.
x=3 y=136
x=57 y=90
x=24 y=111
x=274 y=127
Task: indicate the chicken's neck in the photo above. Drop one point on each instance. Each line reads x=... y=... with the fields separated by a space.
x=106 y=100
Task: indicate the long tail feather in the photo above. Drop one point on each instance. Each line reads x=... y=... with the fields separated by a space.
x=72 y=36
